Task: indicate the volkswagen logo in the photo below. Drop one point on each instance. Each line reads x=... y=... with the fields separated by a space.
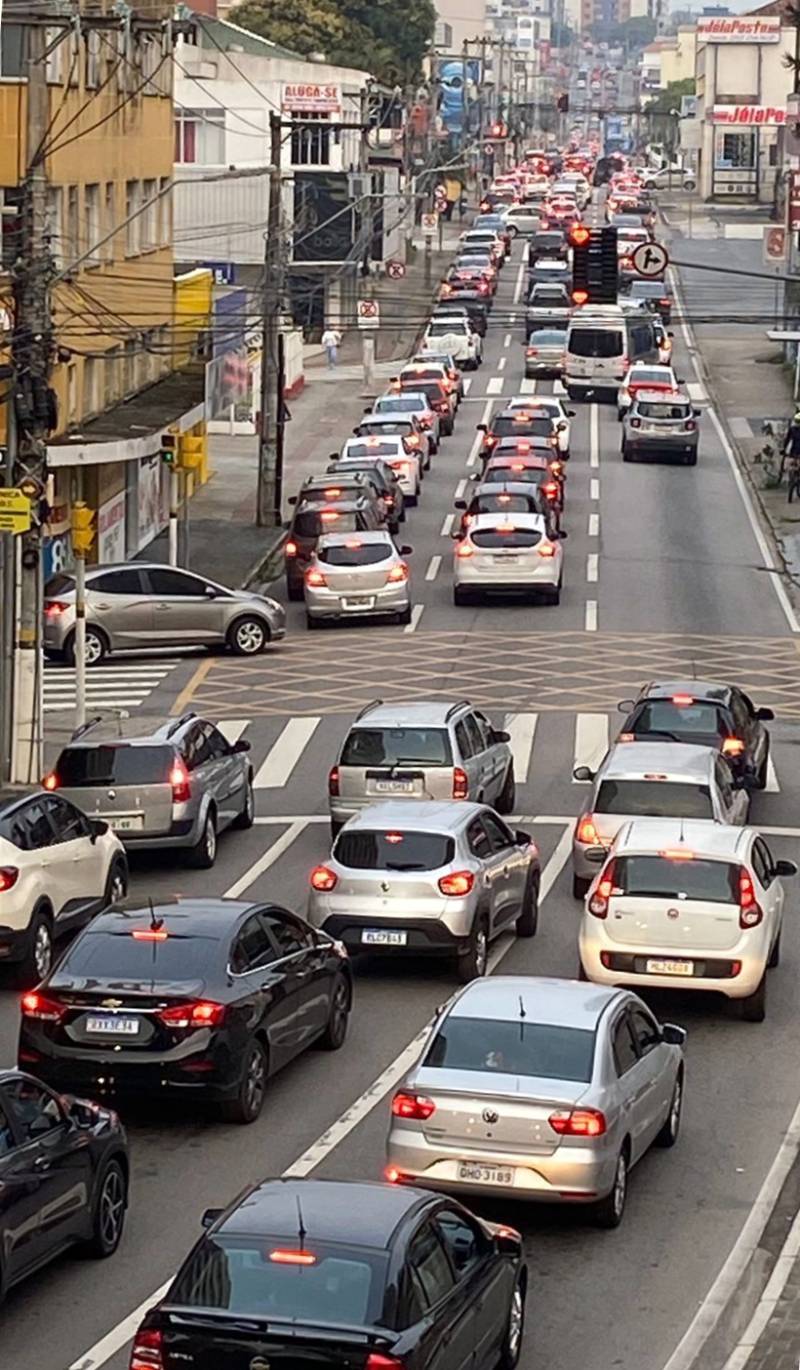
x=673 y=913
x=489 y=1115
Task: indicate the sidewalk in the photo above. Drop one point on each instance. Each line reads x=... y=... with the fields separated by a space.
x=224 y=542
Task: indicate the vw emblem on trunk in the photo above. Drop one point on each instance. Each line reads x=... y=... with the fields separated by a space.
x=673 y=913
x=489 y=1115
x=112 y=794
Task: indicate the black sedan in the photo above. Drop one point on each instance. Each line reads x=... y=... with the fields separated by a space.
x=706 y=714
x=192 y=996
x=314 y=1273
x=63 y=1177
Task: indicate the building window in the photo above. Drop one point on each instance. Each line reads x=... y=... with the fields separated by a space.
x=311 y=146
x=164 y=215
x=133 y=228
x=110 y=220
x=92 y=59
x=72 y=228
x=90 y=373
x=200 y=137
x=149 y=215
x=91 y=219
x=12 y=53
x=54 y=70
x=737 y=150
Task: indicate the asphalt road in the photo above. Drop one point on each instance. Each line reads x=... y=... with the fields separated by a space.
x=663 y=573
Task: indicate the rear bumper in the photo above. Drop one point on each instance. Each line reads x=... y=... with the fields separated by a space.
x=443 y=934
x=569 y=1174
x=507 y=581
x=102 y=1074
x=387 y=599
x=13 y=944
x=713 y=970
x=672 y=445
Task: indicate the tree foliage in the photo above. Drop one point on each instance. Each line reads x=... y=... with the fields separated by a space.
x=379 y=36
x=670 y=97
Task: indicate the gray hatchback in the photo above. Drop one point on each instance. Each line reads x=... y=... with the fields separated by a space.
x=660 y=423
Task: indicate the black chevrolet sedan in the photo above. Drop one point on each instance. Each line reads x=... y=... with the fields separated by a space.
x=303 y=1274
x=63 y=1177
x=190 y=996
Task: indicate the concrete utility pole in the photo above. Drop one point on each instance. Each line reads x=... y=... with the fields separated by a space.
x=32 y=398
x=268 y=510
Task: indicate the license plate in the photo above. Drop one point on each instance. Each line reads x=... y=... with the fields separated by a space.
x=124 y=822
x=486 y=1174
x=394 y=786
x=359 y=602
x=384 y=937
x=659 y=967
x=503 y=559
x=120 y=1027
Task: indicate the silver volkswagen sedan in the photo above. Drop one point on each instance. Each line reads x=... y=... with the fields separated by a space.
x=538 y=1089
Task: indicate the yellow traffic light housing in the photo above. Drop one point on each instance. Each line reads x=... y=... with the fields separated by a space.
x=83 y=529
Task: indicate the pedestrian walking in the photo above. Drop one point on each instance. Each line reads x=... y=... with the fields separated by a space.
x=331 y=341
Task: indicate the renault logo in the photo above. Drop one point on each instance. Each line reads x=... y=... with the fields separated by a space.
x=489 y=1115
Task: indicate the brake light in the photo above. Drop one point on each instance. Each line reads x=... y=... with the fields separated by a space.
x=732 y=746
x=457 y=884
x=460 y=783
x=54 y=608
x=598 y=904
x=546 y=549
x=533 y=352
x=414 y=1106
x=578 y=1122
x=146 y=1350
x=587 y=832
x=377 y=1361
x=329 y=516
x=333 y=781
x=293 y=1257
x=550 y=489
x=683 y=701
x=315 y=577
x=465 y=549
x=9 y=875
x=323 y=879
x=750 y=913
x=413 y=441
x=50 y=781
x=397 y=573
x=150 y=934
x=290 y=550
x=690 y=425
x=39 y=1006
x=666 y=302
x=636 y=423
x=179 y=780
x=199 y=1014
x=556 y=466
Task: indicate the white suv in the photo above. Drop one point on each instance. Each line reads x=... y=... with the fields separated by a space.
x=454 y=335
x=58 y=868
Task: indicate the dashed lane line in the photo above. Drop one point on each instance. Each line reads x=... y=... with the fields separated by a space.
x=433 y=568
x=594 y=489
x=592 y=567
x=590 y=616
x=594 y=525
x=416 y=615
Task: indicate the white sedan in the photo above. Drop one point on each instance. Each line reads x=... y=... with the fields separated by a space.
x=642 y=376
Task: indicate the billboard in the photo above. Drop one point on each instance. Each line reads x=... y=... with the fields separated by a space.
x=323 y=217
x=735 y=28
x=748 y=116
x=304 y=98
x=459 y=81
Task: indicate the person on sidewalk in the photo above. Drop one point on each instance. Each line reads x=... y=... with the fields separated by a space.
x=331 y=341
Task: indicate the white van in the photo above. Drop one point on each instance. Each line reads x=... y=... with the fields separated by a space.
x=602 y=342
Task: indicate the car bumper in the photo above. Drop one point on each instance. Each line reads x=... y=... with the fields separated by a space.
x=13 y=942
x=713 y=969
x=105 y=1074
x=498 y=578
x=656 y=445
x=388 y=599
x=568 y=1174
x=55 y=631
x=439 y=930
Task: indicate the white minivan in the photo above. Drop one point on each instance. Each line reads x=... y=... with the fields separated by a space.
x=602 y=342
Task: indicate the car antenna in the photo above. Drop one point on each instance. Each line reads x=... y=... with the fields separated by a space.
x=155 y=923
x=682 y=837
x=301 y=1231
x=522 y=1016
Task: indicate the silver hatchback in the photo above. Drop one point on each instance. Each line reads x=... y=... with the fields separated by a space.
x=357 y=575
x=538 y=1089
x=437 y=879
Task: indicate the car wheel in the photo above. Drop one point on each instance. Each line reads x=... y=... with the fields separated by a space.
x=580 y=887
x=247 y=817
x=753 y=1008
x=668 y=1135
x=108 y=1216
x=554 y=596
x=338 y=1016
x=460 y=597
x=528 y=921
x=581 y=973
x=775 y=954
x=248 y=636
x=116 y=884
x=247 y=1103
x=413 y=500
x=312 y=623
x=626 y=452
x=394 y=527
x=405 y=615
x=512 y=1341
x=690 y=459
x=38 y=958
x=96 y=647
x=508 y=794
x=471 y=964
x=608 y=1212
x=204 y=852
x=294 y=592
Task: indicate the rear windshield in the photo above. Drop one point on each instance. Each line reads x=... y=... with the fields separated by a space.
x=548 y=294
x=397 y=426
x=648 y=290
x=596 y=342
x=373 y=449
x=59 y=585
x=439 y=328
x=644 y=376
x=528 y=475
x=424 y=373
x=403 y=404
x=397 y=747
x=504 y=504
x=548 y=337
x=513 y=1048
x=361 y=554
x=513 y=537
x=113 y=765
x=650 y=409
x=312 y=523
x=339 y=487
x=543 y=241
x=658 y=876
x=654 y=799
x=241 y=1275
x=524 y=426
x=432 y=390
x=489 y=221
x=394 y=850
x=121 y=956
x=663 y=715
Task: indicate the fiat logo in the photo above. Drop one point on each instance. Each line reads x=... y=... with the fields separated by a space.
x=673 y=913
x=489 y=1115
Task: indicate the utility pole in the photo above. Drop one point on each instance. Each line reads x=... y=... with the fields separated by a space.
x=268 y=510
x=31 y=354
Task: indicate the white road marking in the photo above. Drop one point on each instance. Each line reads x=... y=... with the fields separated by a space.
x=501 y=365
x=594 y=525
x=447 y=526
x=592 y=564
x=590 y=617
x=512 y=318
x=773 y=785
x=594 y=488
x=594 y=436
x=54 y=673
x=460 y=488
x=276 y=768
x=494 y=385
x=518 y=283
x=591 y=741
x=233 y=728
x=467 y=385
x=765 y=1307
x=266 y=859
x=559 y=388
x=507 y=340
x=478 y=439
x=527 y=386
x=433 y=568
x=696 y=391
x=416 y=615
x=522 y=728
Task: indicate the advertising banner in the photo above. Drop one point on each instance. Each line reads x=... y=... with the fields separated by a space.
x=739 y=28
x=304 y=98
x=748 y=116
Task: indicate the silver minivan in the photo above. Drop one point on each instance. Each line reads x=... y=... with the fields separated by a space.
x=602 y=342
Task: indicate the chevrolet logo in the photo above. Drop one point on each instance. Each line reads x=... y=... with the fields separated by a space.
x=112 y=1003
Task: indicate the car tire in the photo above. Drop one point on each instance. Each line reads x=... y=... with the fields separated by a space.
x=248 y=636
x=39 y=949
x=294 y=592
x=472 y=963
x=507 y=796
x=608 y=1212
x=460 y=596
x=580 y=886
x=511 y=1349
x=404 y=616
x=668 y=1134
x=248 y=1101
x=528 y=920
x=753 y=1008
x=312 y=623
x=553 y=596
x=690 y=459
x=413 y=500
x=116 y=882
x=338 y=1017
x=108 y=1212
x=394 y=527
x=247 y=817
x=626 y=452
x=204 y=852
x=582 y=976
x=775 y=954
x=97 y=648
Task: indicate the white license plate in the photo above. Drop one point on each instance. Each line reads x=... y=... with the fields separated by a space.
x=359 y=602
x=121 y=1027
x=124 y=822
x=660 y=967
x=383 y=937
x=485 y=1174
x=503 y=559
x=394 y=786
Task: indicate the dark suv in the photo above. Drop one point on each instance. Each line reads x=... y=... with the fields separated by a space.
x=311 y=520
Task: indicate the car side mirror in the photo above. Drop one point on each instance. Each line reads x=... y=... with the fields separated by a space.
x=210 y=592
x=500 y=735
x=481 y=428
x=210 y=1216
x=99 y=828
x=571 y=413
x=242 y=745
x=765 y=715
x=356 y=433
x=507 y=1242
x=786 y=868
x=596 y=855
x=292 y=499
x=670 y=335
x=81 y=1114
x=460 y=503
x=625 y=706
x=673 y=1035
x=583 y=773
x=522 y=839
x=562 y=534
x=405 y=551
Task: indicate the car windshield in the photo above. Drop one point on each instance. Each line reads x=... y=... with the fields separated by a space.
x=506 y=537
x=394 y=850
x=397 y=747
x=596 y=342
x=113 y=764
x=645 y=376
x=120 y=956
x=355 y=553
x=537 y=1050
x=696 y=718
x=547 y=338
x=651 y=409
x=654 y=799
x=715 y=882
x=255 y=1275
x=312 y=523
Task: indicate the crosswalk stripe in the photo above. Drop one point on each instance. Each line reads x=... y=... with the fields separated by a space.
x=97 y=687
x=467 y=384
x=52 y=706
x=233 y=728
x=522 y=728
x=494 y=385
x=527 y=386
x=284 y=754
x=591 y=740
x=559 y=388
x=94 y=675
x=772 y=786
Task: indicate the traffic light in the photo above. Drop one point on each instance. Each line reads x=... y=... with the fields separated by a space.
x=498 y=130
x=562 y=104
x=169 y=449
x=82 y=528
x=594 y=265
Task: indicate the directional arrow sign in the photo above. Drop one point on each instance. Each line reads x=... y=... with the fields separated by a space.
x=15 y=510
x=650 y=259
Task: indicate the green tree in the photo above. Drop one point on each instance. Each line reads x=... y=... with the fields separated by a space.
x=379 y=36
x=670 y=97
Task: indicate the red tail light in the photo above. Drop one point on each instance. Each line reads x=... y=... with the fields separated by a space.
x=578 y=1122
x=457 y=884
x=546 y=549
x=333 y=781
x=36 y=1005
x=146 y=1351
x=460 y=777
x=598 y=904
x=290 y=550
x=464 y=549
x=9 y=875
x=54 y=608
x=550 y=489
x=636 y=423
x=50 y=781
x=750 y=912
x=293 y=1257
x=377 y=1361
x=315 y=577
x=179 y=780
x=732 y=746
x=587 y=832
x=665 y=303
x=414 y=1106
x=533 y=351
x=199 y=1014
x=323 y=879
x=398 y=573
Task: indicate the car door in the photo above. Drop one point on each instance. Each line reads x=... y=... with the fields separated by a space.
x=493 y=872
x=119 y=602
x=447 y=1338
x=748 y=729
x=486 y=1281
x=496 y=758
x=78 y=861
x=186 y=608
x=483 y=755
x=268 y=991
x=657 y=1058
x=56 y=874
x=221 y=773
x=633 y=1083
x=771 y=894
x=733 y=803
x=55 y=1158
x=468 y=761
x=20 y=1187
x=307 y=962
x=514 y=865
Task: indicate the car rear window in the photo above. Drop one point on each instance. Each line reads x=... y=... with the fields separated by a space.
x=397 y=747
x=113 y=765
x=654 y=799
x=543 y=242
x=523 y=425
x=596 y=342
x=312 y=523
x=439 y=328
x=403 y=404
x=373 y=449
x=517 y=471
x=103 y=955
x=651 y=409
x=664 y=715
x=647 y=375
x=505 y=538
x=59 y=585
x=513 y=1048
x=354 y=554
x=432 y=390
x=549 y=295
x=550 y=337
x=394 y=850
x=398 y=427
x=677 y=878
x=648 y=290
x=242 y=1276
x=503 y=503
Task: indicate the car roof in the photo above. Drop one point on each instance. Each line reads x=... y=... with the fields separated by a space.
x=212 y=917
x=675 y=396
x=364 y=1213
x=427 y=815
x=367 y=535
x=431 y=713
x=509 y=487
x=529 y=519
x=562 y=1003
x=345 y=506
x=131 y=731
x=677 y=760
x=406 y=395
x=704 y=837
x=707 y=691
